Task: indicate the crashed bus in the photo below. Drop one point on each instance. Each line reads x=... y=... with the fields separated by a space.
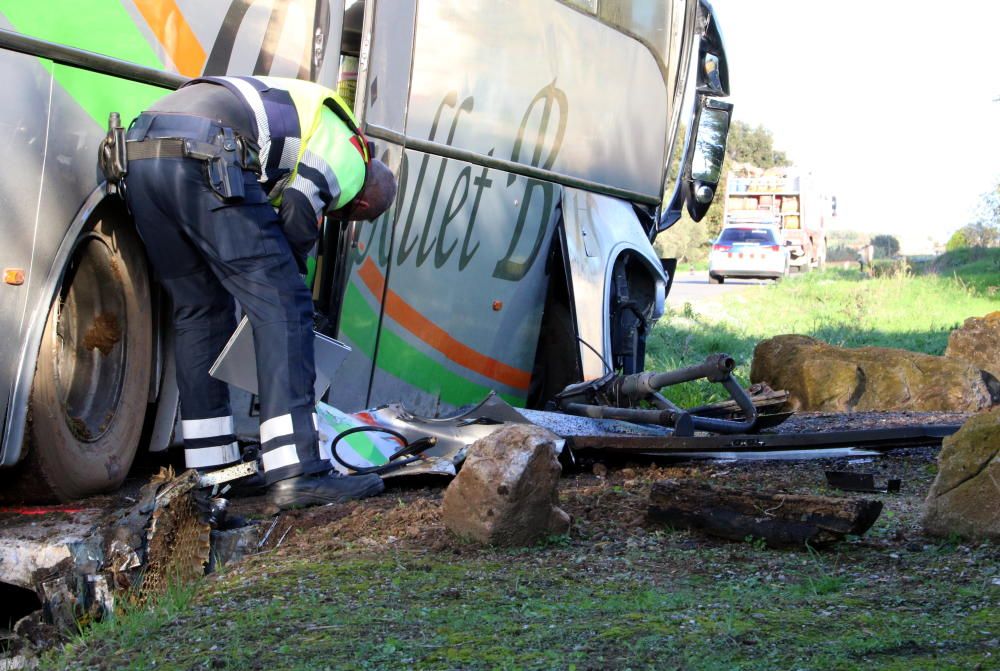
x=530 y=140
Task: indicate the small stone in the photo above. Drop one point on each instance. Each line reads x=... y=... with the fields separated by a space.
x=600 y=470
x=628 y=473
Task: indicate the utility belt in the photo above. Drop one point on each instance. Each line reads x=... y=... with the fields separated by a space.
x=226 y=154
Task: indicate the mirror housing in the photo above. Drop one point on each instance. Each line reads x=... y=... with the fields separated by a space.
x=713 y=69
x=701 y=168
x=712 y=79
x=704 y=168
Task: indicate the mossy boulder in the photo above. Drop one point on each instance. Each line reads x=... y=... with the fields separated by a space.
x=826 y=378
x=965 y=497
x=978 y=342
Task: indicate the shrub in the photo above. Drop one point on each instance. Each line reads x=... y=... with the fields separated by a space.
x=841 y=253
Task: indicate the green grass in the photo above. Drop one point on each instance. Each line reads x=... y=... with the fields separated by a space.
x=842 y=307
x=544 y=609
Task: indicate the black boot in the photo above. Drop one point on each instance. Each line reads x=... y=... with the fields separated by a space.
x=315 y=490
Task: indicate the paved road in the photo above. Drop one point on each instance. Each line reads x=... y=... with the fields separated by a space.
x=693 y=287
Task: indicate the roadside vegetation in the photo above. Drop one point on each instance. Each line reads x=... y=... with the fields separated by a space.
x=912 y=307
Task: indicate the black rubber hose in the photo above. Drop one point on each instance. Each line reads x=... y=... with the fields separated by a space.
x=414 y=449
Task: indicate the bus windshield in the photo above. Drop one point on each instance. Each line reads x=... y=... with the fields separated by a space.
x=659 y=23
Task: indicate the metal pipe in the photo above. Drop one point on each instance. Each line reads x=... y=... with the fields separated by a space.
x=88 y=60
x=731 y=426
x=661 y=417
x=715 y=368
x=525 y=170
x=681 y=422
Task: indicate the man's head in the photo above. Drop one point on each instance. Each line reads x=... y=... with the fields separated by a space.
x=375 y=196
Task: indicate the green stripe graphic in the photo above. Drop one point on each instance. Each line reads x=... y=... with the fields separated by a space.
x=399 y=358
x=102 y=27
x=359 y=442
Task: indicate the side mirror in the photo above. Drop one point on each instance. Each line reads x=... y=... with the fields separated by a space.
x=713 y=69
x=701 y=170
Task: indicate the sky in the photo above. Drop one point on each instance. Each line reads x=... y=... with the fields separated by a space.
x=895 y=104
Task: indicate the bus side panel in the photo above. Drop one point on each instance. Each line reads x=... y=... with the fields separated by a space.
x=362 y=304
x=542 y=84
x=191 y=37
x=23 y=127
x=466 y=285
x=388 y=67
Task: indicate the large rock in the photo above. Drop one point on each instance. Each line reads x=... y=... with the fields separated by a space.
x=965 y=496
x=834 y=379
x=978 y=342
x=506 y=493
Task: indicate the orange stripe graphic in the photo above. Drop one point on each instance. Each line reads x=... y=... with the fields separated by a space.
x=432 y=334
x=172 y=30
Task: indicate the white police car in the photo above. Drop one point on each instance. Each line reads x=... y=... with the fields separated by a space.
x=748 y=250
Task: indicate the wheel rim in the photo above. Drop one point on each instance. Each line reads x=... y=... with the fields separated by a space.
x=90 y=341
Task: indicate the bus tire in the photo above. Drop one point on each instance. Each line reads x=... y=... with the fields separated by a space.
x=91 y=386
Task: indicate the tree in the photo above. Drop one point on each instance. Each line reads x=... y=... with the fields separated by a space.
x=754 y=146
x=984 y=229
x=956 y=241
x=886 y=246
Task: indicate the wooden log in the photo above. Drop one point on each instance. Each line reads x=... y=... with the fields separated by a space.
x=781 y=520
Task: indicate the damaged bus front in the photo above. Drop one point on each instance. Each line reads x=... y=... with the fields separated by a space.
x=530 y=140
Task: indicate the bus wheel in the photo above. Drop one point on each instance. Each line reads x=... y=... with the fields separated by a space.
x=91 y=385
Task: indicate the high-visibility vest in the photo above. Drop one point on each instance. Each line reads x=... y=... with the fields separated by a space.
x=285 y=114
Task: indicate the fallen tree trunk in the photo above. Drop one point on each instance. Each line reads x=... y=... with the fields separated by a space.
x=781 y=520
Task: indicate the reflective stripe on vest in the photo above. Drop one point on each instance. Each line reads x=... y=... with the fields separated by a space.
x=283 y=112
x=273 y=115
x=308 y=97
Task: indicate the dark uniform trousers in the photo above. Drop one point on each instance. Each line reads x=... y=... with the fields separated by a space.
x=206 y=252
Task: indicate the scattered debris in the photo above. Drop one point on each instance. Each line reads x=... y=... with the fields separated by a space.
x=850 y=481
x=767 y=445
x=178 y=543
x=765 y=399
x=621 y=397
x=506 y=493
x=781 y=520
x=84 y=562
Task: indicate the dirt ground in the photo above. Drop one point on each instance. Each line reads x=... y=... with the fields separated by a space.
x=381 y=584
x=607 y=500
